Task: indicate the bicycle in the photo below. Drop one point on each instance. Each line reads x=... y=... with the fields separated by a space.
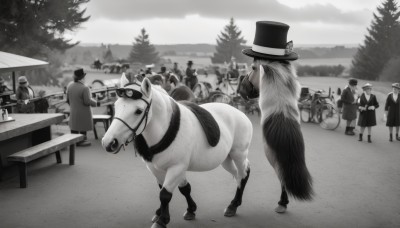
x=319 y=108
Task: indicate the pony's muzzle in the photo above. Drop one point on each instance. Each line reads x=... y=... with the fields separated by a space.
x=113 y=146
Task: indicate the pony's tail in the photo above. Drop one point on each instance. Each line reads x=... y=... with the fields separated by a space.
x=284 y=137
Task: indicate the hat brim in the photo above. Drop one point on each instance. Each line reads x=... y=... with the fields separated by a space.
x=397 y=87
x=290 y=57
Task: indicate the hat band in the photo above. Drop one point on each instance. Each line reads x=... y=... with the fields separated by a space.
x=268 y=50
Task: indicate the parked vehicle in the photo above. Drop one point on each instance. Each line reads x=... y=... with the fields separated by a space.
x=115 y=67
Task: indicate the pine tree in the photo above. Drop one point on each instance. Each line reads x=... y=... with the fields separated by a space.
x=31 y=28
x=142 y=51
x=229 y=43
x=107 y=55
x=380 y=45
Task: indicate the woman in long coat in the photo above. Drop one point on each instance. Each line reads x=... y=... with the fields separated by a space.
x=79 y=99
x=392 y=111
x=367 y=105
x=349 y=111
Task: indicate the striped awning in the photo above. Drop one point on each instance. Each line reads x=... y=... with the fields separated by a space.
x=11 y=62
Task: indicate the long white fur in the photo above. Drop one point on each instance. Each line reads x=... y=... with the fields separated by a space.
x=277 y=97
x=190 y=150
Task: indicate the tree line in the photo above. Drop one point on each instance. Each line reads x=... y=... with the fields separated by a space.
x=378 y=58
x=36 y=29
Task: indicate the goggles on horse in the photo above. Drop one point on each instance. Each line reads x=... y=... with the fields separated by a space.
x=129 y=93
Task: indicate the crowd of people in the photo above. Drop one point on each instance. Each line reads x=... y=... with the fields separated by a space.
x=365 y=106
x=168 y=78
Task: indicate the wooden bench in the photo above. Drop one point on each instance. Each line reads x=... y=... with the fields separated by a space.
x=53 y=146
x=106 y=119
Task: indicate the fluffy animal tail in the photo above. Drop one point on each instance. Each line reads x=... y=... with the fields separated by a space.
x=284 y=137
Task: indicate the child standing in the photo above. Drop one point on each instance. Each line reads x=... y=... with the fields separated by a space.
x=367 y=105
x=392 y=111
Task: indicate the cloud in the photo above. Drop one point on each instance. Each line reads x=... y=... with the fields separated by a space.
x=224 y=9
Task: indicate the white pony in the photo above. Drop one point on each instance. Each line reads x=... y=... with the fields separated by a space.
x=275 y=83
x=171 y=139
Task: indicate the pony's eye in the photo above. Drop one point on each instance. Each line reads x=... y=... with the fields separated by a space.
x=138 y=112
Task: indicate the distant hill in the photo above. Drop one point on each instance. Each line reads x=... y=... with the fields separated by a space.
x=86 y=54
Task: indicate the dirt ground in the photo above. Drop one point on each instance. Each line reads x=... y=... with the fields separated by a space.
x=357 y=184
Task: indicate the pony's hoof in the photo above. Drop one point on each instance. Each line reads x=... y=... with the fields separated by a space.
x=189 y=215
x=155 y=218
x=156 y=225
x=280 y=209
x=230 y=211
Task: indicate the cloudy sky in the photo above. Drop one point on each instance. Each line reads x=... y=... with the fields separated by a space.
x=200 y=21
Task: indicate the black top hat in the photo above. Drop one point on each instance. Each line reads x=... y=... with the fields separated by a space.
x=270 y=42
x=190 y=62
x=353 y=82
x=79 y=74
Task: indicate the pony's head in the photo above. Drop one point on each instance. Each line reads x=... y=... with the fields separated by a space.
x=273 y=71
x=132 y=113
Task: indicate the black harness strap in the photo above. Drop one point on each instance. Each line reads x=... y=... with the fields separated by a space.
x=148 y=152
x=207 y=121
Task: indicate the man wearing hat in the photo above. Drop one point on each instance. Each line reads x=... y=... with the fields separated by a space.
x=349 y=99
x=80 y=101
x=233 y=68
x=191 y=75
x=392 y=111
x=273 y=79
x=367 y=105
x=177 y=71
x=23 y=94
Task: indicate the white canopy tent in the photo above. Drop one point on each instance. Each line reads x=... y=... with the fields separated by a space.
x=11 y=63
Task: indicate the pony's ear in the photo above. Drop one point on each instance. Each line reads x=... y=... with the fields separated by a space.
x=124 y=80
x=146 y=87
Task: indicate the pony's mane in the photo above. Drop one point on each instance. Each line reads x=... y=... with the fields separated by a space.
x=279 y=90
x=159 y=89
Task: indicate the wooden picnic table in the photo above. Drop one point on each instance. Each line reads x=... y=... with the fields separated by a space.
x=25 y=131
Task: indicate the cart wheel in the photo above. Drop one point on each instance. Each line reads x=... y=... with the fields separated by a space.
x=330 y=118
x=97 y=84
x=305 y=114
x=220 y=98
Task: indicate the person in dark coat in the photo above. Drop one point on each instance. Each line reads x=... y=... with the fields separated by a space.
x=191 y=75
x=24 y=94
x=367 y=105
x=392 y=111
x=4 y=99
x=80 y=101
x=177 y=71
x=349 y=111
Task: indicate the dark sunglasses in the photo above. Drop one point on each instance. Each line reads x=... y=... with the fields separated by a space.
x=129 y=93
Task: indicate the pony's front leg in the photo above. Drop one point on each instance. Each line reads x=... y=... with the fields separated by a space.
x=160 y=176
x=174 y=176
x=185 y=189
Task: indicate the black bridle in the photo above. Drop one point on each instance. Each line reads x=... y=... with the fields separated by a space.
x=145 y=116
